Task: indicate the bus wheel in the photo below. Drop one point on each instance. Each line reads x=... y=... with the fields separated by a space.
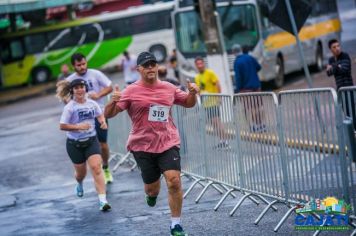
x=159 y=51
x=319 y=59
x=279 y=80
x=40 y=75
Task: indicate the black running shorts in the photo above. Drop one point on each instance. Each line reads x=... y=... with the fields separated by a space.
x=101 y=133
x=79 y=152
x=152 y=165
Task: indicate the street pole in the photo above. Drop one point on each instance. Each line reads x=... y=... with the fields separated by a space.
x=216 y=53
x=300 y=49
x=305 y=66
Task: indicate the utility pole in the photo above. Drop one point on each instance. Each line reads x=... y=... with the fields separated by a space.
x=216 y=53
x=299 y=44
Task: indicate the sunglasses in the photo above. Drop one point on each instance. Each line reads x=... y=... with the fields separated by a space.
x=149 y=64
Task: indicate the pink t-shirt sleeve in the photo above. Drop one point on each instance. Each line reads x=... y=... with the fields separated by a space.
x=124 y=102
x=180 y=97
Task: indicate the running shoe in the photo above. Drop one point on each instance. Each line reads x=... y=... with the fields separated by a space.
x=79 y=190
x=107 y=176
x=104 y=206
x=151 y=201
x=178 y=231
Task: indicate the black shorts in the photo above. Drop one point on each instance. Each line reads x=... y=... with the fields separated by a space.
x=79 y=152
x=212 y=112
x=152 y=165
x=101 y=133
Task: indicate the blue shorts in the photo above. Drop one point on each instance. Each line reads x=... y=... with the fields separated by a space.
x=102 y=134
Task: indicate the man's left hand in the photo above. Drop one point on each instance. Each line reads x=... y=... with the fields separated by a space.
x=192 y=87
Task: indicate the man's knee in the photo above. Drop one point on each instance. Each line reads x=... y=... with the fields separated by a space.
x=173 y=183
x=152 y=189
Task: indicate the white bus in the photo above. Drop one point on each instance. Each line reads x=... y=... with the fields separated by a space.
x=243 y=24
x=36 y=55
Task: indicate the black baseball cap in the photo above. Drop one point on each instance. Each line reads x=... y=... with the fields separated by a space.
x=77 y=82
x=145 y=57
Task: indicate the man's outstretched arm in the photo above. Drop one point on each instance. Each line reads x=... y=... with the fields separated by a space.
x=111 y=109
x=192 y=91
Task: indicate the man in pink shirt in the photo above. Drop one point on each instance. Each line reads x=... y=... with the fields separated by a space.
x=154 y=139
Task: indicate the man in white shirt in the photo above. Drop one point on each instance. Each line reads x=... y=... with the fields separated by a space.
x=128 y=65
x=98 y=87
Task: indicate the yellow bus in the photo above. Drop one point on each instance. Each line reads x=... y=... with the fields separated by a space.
x=242 y=23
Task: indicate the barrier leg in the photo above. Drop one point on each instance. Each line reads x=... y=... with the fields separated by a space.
x=254 y=200
x=122 y=160
x=191 y=187
x=195 y=178
x=134 y=165
x=203 y=191
x=113 y=156
x=265 y=211
x=280 y=223
x=217 y=188
x=228 y=189
x=239 y=204
x=267 y=202
x=223 y=198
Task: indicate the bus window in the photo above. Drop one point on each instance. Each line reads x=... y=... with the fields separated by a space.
x=17 y=51
x=150 y=22
x=239 y=24
x=112 y=30
x=189 y=34
x=61 y=39
x=91 y=33
x=13 y=51
x=35 y=43
x=326 y=6
x=5 y=53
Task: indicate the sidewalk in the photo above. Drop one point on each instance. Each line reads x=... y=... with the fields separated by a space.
x=55 y=210
x=16 y=94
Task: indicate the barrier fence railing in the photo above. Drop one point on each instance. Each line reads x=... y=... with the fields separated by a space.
x=120 y=127
x=347 y=98
x=286 y=149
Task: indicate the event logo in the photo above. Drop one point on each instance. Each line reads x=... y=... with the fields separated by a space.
x=327 y=214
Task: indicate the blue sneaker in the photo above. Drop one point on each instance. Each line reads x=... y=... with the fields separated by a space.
x=79 y=190
x=178 y=231
x=104 y=206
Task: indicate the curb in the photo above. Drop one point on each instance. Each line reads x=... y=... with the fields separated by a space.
x=17 y=94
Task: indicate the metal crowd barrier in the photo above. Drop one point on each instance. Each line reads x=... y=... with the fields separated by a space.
x=347 y=96
x=119 y=130
x=284 y=149
x=289 y=149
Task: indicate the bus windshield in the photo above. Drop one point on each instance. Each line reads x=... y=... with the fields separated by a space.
x=239 y=25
